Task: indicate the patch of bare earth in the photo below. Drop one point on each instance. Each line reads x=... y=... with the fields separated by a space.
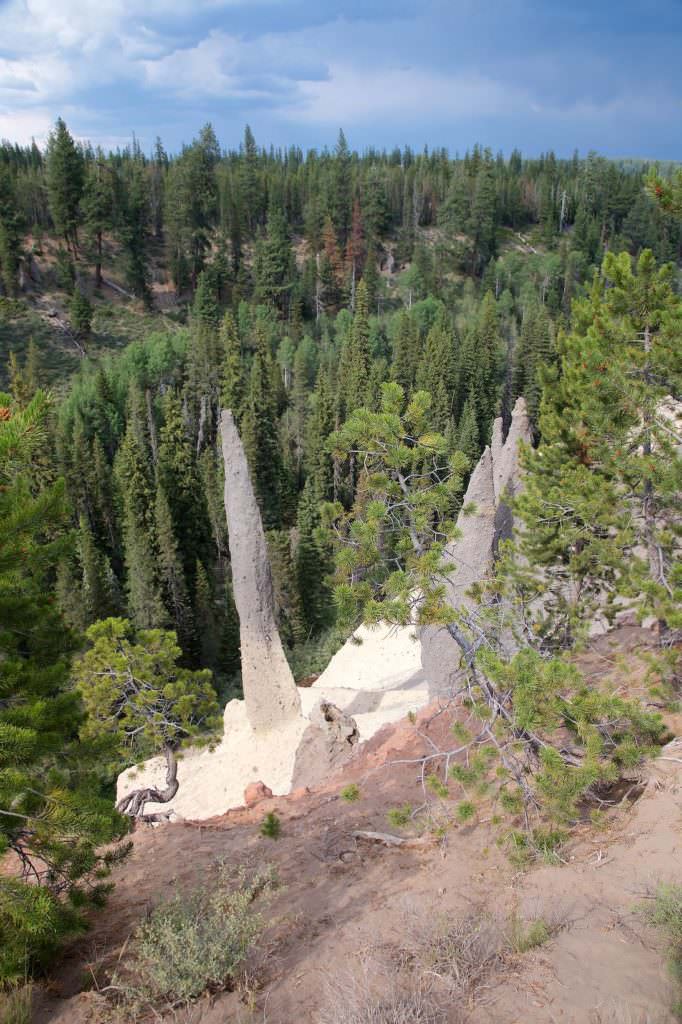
x=347 y=902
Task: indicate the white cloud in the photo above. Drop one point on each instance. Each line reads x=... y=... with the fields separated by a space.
x=350 y=95
x=23 y=125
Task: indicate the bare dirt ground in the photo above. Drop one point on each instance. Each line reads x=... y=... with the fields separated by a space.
x=346 y=901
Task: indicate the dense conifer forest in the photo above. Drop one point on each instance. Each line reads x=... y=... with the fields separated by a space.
x=143 y=293
x=293 y=285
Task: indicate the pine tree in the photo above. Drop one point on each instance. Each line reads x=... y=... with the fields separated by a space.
x=468 y=436
x=131 y=225
x=178 y=476
x=533 y=352
x=340 y=198
x=288 y=609
x=312 y=562
x=232 y=385
x=99 y=587
x=599 y=503
x=274 y=268
x=65 y=179
x=80 y=313
x=355 y=373
x=318 y=463
x=52 y=816
x=260 y=437
x=482 y=223
x=437 y=371
x=10 y=233
x=139 y=698
x=405 y=351
x=98 y=208
x=171 y=574
x=135 y=481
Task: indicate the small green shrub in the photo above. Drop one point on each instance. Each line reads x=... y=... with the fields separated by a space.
x=525 y=935
x=665 y=913
x=16 y=1005
x=465 y=811
x=350 y=793
x=437 y=786
x=539 y=843
x=271 y=826
x=400 y=816
x=194 y=942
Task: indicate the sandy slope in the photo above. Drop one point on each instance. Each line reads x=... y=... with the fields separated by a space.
x=345 y=901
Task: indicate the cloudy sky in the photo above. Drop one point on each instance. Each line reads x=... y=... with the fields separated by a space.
x=572 y=74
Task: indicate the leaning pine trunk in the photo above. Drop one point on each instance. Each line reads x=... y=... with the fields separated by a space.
x=134 y=803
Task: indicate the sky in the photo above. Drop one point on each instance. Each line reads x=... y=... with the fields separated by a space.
x=599 y=75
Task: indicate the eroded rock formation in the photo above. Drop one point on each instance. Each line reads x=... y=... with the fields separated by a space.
x=270 y=692
x=496 y=477
x=328 y=742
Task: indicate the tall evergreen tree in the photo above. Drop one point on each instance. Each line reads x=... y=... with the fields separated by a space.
x=65 y=179
x=98 y=208
x=51 y=816
x=260 y=437
x=10 y=233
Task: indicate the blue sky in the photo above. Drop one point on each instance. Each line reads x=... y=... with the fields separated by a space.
x=598 y=75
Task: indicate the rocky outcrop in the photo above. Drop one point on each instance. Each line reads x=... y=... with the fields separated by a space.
x=328 y=742
x=270 y=692
x=484 y=521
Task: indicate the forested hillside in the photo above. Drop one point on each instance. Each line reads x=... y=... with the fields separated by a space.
x=288 y=286
x=366 y=318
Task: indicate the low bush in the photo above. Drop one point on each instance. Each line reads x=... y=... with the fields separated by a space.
x=271 y=826
x=195 y=942
x=400 y=816
x=460 y=952
x=665 y=913
x=525 y=935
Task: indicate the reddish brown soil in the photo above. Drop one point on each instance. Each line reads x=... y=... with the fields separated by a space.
x=344 y=899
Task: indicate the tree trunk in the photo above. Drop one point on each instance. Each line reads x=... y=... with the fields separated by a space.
x=133 y=804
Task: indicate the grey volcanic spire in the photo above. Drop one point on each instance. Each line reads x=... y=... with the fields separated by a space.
x=497 y=477
x=270 y=692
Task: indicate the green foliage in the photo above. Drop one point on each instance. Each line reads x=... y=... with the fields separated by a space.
x=52 y=816
x=599 y=505
x=610 y=735
x=526 y=935
x=665 y=913
x=65 y=179
x=80 y=313
x=399 y=817
x=465 y=811
x=350 y=793
x=134 y=691
x=271 y=826
x=195 y=942
x=406 y=489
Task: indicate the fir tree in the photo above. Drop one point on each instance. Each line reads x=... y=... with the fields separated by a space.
x=65 y=179
x=232 y=384
x=260 y=437
x=98 y=209
x=80 y=313
x=312 y=563
x=405 y=351
x=274 y=267
x=171 y=574
x=10 y=233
